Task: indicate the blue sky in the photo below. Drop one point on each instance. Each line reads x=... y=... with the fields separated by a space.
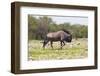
x=70 y=19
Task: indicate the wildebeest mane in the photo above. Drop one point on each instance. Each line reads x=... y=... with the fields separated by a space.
x=66 y=31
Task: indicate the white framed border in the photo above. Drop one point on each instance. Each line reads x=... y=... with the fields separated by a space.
x=24 y=64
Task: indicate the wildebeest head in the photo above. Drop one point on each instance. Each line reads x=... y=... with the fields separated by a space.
x=68 y=38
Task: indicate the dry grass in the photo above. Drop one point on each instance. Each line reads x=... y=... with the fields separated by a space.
x=77 y=49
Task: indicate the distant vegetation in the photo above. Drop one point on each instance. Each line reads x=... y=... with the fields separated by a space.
x=39 y=27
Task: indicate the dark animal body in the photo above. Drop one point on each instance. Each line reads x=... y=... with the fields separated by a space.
x=61 y=36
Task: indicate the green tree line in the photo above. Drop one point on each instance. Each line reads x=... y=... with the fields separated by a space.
x=39 y=27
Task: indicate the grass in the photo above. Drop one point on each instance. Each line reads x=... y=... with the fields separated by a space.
x=77 y=49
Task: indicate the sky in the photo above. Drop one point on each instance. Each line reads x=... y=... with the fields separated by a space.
x=68 y=19
x=72 y=20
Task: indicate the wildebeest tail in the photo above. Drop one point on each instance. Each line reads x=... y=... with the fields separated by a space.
x=45 y=39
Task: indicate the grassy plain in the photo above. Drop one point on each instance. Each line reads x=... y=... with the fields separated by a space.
x=77 y=49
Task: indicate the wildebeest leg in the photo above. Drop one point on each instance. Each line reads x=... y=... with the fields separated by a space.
x=44 y=43
x=62 y=44
x=51 y=44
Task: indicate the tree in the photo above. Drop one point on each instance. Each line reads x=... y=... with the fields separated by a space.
x=42 y=27
x=32 y=26
x=39 y=26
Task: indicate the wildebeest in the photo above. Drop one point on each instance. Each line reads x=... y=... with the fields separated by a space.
x=61 y=36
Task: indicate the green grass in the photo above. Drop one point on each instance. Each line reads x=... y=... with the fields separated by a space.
x=77 y=49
